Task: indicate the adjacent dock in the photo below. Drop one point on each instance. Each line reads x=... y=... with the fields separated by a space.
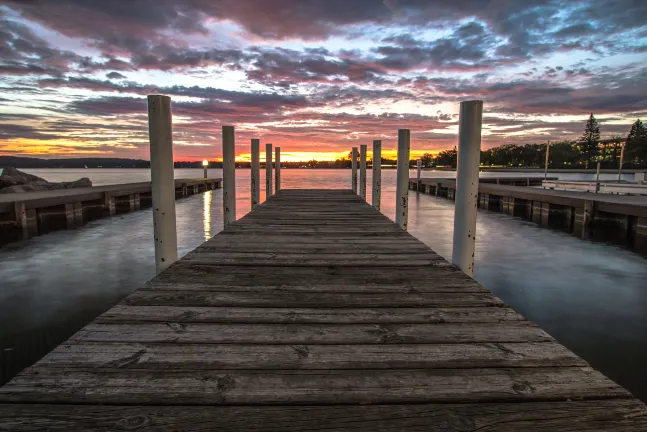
x=29 y=214
x=312 y=312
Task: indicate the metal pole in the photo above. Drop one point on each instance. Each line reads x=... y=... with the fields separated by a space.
x=353 y=165
x=228 y=175
x=205 y=172
x=362 y=171
x=467 y=182
x=277 y=163
x=402 y=188
x=419 y=167
x=256 y=172
x=163 y=182
x=268 y=171
x=622 y=157
x=377 y=174
x=546 y=163
x=597 y=179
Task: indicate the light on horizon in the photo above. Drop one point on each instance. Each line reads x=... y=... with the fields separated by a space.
x=205 y=163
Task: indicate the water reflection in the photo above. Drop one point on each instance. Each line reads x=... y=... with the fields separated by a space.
x=206 y=213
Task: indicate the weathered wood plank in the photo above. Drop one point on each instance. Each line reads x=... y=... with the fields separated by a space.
x=401 y=356
x=617 y=415
x=40 y=384
x=308 y=316
x=207 y=333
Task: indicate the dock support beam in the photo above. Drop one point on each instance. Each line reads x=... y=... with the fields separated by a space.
x=362 y=171
x=419 y=168
x=467 y=181
x=277 y=168
x=256 y=173
x=587 y=225
x=228 y=175
x=402 y=187
x=162 y=181
x=377 y=174
x=268 y=171
x=353 y=166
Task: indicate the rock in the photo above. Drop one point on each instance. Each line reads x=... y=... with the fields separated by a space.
x=14 y=181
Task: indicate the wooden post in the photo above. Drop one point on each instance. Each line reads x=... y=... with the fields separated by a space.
x=597 y=179
x=268 y=171
x=277 y=168
x=228 y=174
x=402 y=187
x=377 y=174
x=256 y=172
x=622 y=157
x=587 y=225
x=162 y=180
x=362 y=171
x=419 y=169
x=353 y=166
x=467 y=182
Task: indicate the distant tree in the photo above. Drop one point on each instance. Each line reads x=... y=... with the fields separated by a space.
x=312 y=163
x=636 y=147
x=426 y=159
x=590 y=138
x=447 y=158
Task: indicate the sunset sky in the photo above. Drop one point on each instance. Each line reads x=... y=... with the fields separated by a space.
x=314 y=77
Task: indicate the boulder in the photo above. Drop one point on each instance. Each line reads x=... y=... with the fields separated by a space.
x=15 y=181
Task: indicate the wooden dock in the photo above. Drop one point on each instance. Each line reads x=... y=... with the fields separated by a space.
x=314 y=312
x=28 y=214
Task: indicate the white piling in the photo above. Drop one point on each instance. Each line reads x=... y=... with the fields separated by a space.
x=467 y=182
x=256 y=173
x=377 y=174
x=546 y=163
x=205 y=165
x=597 y=179
x=419 y=169
x=353 y=166
x=362 y=171
x=622 y=158
x=228 y=175
x=277 y=163
x=163 y=182
x=268 y=171
x=402 y=187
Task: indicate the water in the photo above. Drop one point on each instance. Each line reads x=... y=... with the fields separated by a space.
x=591 y=297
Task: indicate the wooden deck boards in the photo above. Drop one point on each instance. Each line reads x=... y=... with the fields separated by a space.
x=314 y=312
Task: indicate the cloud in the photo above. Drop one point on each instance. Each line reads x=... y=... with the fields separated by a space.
x=116 y=76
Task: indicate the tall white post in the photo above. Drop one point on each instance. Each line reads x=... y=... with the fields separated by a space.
x=467 y=183
x=546 y=163
x=163 y=182
x=353 y=166
x=256 y=173
x=277 y=163
x=622 y=158
x=419 y=168
x=402 y=187
x=362 y=171
x=597 y=179
x=268 y=171
x=377 y=174
x=228 y=175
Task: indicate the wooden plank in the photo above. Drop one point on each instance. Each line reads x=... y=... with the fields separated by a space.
x=618 y=415
x=209 y=333
x=310 y=299
x=40 y=384
x=124 y=313
x=315 y=259
x=401 y=356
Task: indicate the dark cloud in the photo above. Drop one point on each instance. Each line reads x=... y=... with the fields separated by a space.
x=116 y=76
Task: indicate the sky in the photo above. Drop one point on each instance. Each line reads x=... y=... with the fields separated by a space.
x=315 y=77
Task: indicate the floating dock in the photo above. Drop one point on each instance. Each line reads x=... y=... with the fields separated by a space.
x=313 y=312
x=28 y=214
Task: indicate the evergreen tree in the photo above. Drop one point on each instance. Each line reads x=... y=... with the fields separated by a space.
x=588 y=145
x=636 y=147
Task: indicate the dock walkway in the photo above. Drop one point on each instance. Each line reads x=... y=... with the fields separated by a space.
x=312 y=312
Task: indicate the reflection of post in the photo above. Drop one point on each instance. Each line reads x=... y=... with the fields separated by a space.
x=362 y=171
x=419 y=167
x=546 y=163
x=597 y=179
x=467 y=182
x=268 y=171
x=228 y=175
x=277 y=167
x=256 y=172
x=377 y=173
x=162 y=180
x=622 y=158
x=353 y=166
x=402 y=191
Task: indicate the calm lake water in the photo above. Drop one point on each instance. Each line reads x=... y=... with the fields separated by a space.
x=591 y=297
